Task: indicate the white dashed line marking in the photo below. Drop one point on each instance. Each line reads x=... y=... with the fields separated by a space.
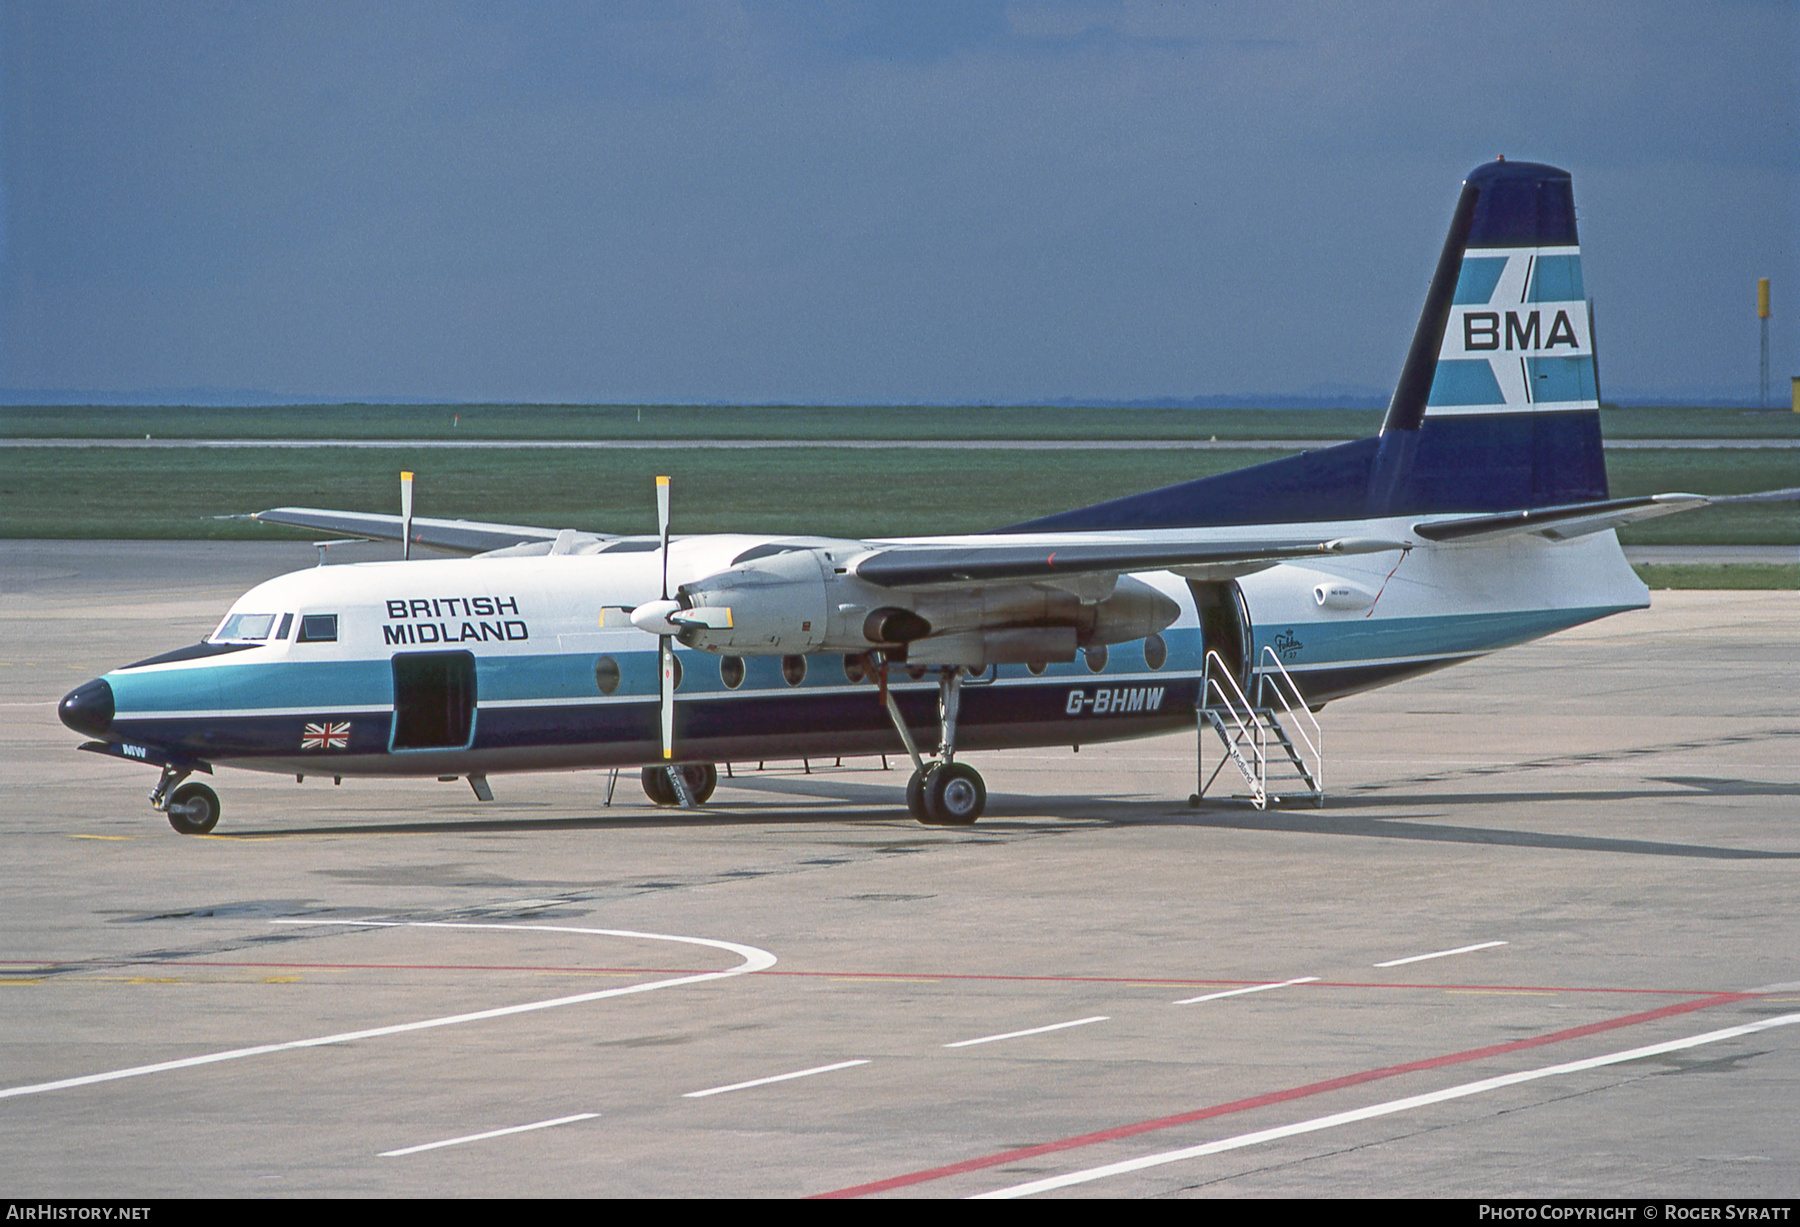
x=1439 y=954
x=1013 y=1035
x=744 y=1086
x=491 y=1133
x=1239 y=992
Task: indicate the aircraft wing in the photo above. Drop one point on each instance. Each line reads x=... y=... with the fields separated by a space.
x=452 y=536
x=919 y=566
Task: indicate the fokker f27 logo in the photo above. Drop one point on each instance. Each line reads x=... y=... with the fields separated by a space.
x=326 y=736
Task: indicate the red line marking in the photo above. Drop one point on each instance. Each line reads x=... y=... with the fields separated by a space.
x=1274 y=1097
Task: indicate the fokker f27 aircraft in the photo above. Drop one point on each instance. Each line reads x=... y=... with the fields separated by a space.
x=1477 y=519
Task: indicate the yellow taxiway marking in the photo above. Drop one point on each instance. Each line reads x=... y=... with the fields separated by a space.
x=155 y=980
x=102 y=837
x=16 y=980
x=280 y=980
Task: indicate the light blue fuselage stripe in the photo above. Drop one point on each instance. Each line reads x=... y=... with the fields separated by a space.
x=328 y=686
x=1358 y=639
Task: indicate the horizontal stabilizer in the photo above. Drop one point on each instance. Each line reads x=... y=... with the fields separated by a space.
x=1789 y=495
x=1562 y=523
x=451 y=536
x=912 y=568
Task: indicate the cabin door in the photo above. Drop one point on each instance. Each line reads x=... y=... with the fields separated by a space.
x=434 y=700
x=1225 y=627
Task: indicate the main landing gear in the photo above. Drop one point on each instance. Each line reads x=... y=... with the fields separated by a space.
x=664 y=785
x=192 y=809
x=944 y=793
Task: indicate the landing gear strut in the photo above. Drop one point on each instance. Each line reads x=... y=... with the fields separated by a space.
x=945 y=792
x=193 y=809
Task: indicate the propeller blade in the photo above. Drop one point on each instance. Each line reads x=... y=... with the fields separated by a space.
x=662 y=529
x=668 y=696
x=406 y=513
x=666 y=644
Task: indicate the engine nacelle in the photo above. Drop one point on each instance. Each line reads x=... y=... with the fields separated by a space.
x=1135 y=610
x=804 y=600
x=777 y=606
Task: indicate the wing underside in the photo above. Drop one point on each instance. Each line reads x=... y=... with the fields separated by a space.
x=928 y=566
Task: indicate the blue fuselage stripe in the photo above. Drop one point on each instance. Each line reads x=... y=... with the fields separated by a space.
x=547 y=704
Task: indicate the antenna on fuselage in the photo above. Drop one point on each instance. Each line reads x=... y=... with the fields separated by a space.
x=406 y=504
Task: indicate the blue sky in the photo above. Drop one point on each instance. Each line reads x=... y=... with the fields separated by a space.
x=863 y=202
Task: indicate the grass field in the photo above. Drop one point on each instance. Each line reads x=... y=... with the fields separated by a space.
x=87 y=492
x=807 y=422
x=1722 y=575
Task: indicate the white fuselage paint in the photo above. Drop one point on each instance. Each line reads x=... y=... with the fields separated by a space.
x=537 y=626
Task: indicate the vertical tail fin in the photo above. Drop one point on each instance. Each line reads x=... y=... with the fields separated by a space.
x=1498 y=402
x=1497 y=406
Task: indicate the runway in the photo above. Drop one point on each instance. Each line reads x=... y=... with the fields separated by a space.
x=865 y=445
x=1541 y=941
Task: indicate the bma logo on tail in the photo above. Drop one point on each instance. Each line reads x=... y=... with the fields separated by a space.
x=1518 y=337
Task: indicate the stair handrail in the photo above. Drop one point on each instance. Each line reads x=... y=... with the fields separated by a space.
x=1264 y=677
x=1248 y=730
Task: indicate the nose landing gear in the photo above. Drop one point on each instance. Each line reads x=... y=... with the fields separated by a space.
x=192 y=809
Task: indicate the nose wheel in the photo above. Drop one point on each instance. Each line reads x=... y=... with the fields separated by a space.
x=193 y=809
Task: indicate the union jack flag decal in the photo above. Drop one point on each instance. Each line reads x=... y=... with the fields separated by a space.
x=333 y=736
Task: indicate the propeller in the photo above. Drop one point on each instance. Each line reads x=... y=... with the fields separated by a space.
x=666 y=643
x=406 y=483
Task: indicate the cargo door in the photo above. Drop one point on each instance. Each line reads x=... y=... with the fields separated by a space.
x=434 y=700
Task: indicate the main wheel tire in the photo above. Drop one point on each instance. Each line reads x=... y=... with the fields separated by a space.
x=955 y=795
x=915 y=795
x=194 y=809
x=701 y=779
x=657 y=786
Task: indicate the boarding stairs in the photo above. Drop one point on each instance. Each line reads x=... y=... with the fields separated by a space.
x=1275 y=743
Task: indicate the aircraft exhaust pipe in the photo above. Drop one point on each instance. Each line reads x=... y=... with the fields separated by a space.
x=889 y=625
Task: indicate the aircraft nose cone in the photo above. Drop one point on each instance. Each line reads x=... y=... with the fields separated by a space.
x=88 y=708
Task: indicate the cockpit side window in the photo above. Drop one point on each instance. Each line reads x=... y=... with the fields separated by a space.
x=287 y=624
x=318 y=628
x=244 y=626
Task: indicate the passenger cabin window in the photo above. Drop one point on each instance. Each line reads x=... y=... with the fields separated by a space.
x=318 y=628
x=237 y=627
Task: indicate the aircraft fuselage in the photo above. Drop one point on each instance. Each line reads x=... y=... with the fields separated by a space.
x=500 y=664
